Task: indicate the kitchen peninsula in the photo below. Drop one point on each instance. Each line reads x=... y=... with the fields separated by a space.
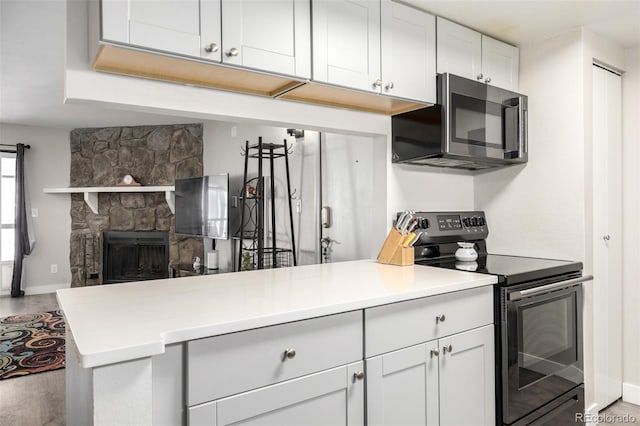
x=206 y=349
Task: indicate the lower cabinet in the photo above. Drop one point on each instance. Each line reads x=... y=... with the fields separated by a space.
x=331 y=397
x=448 y=381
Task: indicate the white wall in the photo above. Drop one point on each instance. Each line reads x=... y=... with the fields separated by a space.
x=631 y=229
x=46 y=165
x=538 y=209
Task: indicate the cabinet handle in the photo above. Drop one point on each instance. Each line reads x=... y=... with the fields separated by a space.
x=289 y=354
x=440 y=318
x=435 y=352
x=479 y=77
x=389 y=86
x=358 y=375
x=447 y=348
x=213 y=47
x=232 y=52
x=487 y=80
x=377 y=83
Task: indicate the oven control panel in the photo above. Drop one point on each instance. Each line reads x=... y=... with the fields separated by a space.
x=454 y=226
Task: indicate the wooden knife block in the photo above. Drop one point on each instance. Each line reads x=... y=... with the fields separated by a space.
x=393 y=253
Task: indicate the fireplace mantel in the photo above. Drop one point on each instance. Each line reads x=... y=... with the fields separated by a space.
x=91 y=193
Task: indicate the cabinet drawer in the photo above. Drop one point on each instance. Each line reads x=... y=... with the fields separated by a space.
x=225 y=365
x=399 y=325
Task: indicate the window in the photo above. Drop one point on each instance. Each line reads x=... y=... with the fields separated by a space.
x=7 y=216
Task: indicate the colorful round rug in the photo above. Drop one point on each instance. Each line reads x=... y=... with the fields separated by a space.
x=31 y=343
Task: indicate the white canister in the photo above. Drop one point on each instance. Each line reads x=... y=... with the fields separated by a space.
x=212 y=259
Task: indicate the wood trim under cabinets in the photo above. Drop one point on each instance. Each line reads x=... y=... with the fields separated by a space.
x=135 y=62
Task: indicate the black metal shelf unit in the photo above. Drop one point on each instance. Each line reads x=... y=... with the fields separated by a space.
x=274 y=256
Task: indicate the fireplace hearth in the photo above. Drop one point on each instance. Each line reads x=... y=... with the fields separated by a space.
x=135 y=256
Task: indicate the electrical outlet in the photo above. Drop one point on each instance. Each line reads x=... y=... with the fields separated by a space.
x=54 y=268
x=34 y=212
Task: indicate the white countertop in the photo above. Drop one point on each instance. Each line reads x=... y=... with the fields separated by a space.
x=119 y=322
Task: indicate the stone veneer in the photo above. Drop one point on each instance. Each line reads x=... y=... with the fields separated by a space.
x=153 y=155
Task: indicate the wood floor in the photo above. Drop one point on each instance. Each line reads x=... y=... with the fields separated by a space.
x=39 y=399
x=36 y=399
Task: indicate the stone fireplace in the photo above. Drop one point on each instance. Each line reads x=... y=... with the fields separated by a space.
x=153 y=155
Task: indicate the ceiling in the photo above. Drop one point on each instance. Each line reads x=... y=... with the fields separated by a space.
x=32 y=45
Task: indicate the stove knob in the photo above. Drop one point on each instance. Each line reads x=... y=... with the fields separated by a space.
x=481 y=221
x=474 y=221
x=466 y=222
x=424 y=223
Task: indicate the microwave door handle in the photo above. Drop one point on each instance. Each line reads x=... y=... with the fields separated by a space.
x=518 y=129
x=522 y=126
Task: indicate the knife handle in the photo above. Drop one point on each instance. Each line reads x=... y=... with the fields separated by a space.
x=409 y=239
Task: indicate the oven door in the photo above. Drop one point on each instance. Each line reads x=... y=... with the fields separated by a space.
x=542 y=351
x=483 y=121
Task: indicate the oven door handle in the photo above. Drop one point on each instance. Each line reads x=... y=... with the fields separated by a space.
x=517 y=295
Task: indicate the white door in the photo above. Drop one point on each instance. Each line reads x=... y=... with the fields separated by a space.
x=347 y=188
x=346 y=43
x=607 y=236
x=467 y=380
x=459 y=49
x=332 y=397
x=408 y=52
x=272 y=35
x=402 y=387
x=169 y=25
x=500 y=63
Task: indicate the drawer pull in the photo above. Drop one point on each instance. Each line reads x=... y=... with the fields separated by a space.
x=435 y=352
x=358 y=375
x=440 y=318
x=289 y=354
x=447 y=348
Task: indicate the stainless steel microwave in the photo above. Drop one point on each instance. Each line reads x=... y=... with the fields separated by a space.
x=474 y=126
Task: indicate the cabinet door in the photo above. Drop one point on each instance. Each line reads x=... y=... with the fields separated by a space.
x=402 y=387
x=169 y=25
x=346 y=43
x=272 y=35
x=500 y=63
x=467 y=380
x=459 y=49
x=408 y=52
x=332 y=397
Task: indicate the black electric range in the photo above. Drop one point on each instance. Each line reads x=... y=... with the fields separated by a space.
x=539 y=375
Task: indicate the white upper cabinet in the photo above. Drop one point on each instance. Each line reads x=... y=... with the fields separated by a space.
x=469 y=54
x=170 y=25
x=408 y=52
x=273 y=35
x=500 y=63
x=459 y=50
x=346 y=43
x=267 y=35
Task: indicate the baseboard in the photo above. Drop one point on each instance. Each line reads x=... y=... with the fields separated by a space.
x=631 y=393
x=39 y=289
x=591 y=414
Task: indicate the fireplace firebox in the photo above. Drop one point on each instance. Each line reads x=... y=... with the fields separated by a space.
x=134 y=256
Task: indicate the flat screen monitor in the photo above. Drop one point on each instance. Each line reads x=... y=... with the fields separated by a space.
x=202 y=206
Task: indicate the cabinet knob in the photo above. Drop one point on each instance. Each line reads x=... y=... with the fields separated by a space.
x=479 y=77
x=358 y=375
x=389 y=86
x=440 y=318
x=233 y=52
x=377 y=83
x=213 y=47
x=487 y=80
x=289 y=354
x=447 y=348
x=607 y=237
x=435 y=352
